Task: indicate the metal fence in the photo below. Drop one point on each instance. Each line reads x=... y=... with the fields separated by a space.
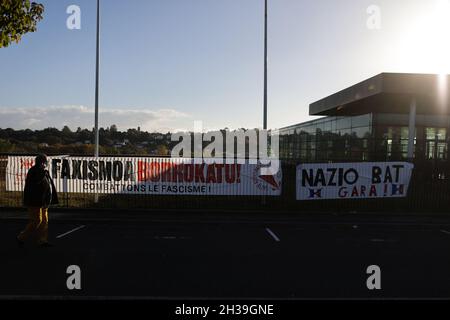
x=429 y=191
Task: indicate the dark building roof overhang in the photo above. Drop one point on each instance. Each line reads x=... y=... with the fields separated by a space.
x=388 y=93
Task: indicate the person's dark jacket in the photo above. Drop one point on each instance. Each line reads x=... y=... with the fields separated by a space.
x=40 y=191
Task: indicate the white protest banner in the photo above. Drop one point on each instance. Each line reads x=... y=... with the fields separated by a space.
x=142 y=175
x=353 y=180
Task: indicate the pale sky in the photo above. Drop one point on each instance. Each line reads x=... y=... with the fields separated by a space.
x=168 y=63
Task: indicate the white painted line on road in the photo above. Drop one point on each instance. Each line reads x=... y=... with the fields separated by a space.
x=165 y=237
x=69 y=232
x=445 y=231
x=171 y=237
x=273 y=235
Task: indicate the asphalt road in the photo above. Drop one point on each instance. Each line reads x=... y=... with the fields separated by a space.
x=259 y=257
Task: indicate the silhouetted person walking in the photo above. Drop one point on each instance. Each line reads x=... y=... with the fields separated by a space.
x=38 y=195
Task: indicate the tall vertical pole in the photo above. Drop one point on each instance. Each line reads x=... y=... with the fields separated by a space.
x=263 y=200
x=265 y=66
x=96 y=87
x=96 y=80
x=412 y=128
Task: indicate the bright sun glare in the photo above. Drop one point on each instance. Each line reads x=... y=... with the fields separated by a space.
x=425 y=46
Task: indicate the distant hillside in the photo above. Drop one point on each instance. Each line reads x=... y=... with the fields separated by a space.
x=81 y=141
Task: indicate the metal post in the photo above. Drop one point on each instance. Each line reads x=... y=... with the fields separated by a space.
x=412 y=128
x=265 y=66
x=265 y=78
x=96 y=88
x=96 y=80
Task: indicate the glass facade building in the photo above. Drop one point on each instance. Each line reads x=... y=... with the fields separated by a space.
x=368 y=137
x=370 y=121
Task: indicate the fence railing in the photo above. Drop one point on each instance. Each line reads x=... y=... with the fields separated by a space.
x=429 y=191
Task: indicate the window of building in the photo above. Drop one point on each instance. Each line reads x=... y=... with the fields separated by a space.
x=344 y=123
x=436 y=143
x=361 y=121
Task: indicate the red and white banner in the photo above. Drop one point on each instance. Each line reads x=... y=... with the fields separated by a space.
x=140 y=175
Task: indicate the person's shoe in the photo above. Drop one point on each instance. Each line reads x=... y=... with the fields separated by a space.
x=20 y=243
x=45 y=245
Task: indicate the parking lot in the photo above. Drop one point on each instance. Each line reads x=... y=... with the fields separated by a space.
x=184 y=256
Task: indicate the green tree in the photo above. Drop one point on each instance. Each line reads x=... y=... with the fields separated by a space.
x=6 y=146
x=113 y=128
x=66 y=130
x=162 y=150
x=18 y=17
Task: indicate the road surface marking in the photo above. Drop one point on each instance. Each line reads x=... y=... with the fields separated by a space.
x=165 y=237
x=69 y=232
x=445 y=231
x=377 y=240
x=273 y=235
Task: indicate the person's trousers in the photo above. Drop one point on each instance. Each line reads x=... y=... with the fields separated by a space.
x=37 y=226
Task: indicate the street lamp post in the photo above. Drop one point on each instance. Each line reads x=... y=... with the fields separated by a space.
x=263 y=200
x=96 y=79
x=96 y=87
x=265 y=66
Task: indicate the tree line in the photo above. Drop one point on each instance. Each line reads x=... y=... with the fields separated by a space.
x=81 y=141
